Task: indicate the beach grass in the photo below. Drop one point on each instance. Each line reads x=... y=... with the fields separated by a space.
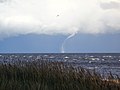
x=48 y=75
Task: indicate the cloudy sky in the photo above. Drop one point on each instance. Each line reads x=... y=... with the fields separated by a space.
x=60 y=26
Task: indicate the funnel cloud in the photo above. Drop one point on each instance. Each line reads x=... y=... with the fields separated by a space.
x=66 y=17
x=69 y=37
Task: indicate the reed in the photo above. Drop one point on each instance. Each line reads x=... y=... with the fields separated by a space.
x=48 y=75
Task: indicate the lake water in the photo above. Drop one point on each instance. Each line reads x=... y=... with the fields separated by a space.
x=102 y=63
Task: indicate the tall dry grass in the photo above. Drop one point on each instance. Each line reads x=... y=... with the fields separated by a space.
x=46 y=75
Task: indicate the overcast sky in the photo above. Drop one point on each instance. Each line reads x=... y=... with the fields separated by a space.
x=88 y=22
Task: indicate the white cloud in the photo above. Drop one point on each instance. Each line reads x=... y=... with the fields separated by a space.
x=59 y=16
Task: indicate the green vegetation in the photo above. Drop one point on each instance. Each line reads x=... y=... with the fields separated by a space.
x=45 y=75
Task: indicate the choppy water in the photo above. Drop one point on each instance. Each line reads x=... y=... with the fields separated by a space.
x=102 y=63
